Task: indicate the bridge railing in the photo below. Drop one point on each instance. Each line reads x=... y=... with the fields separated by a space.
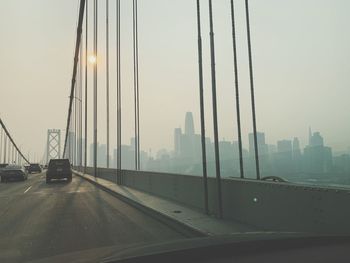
x=275 y=206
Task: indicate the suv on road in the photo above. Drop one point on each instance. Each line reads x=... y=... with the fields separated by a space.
x=34 y=168
x=59 y=169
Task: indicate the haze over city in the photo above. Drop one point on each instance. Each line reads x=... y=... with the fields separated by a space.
x=301 y=69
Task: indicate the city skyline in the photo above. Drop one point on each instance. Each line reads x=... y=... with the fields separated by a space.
x=286 y=158
x=189 y=129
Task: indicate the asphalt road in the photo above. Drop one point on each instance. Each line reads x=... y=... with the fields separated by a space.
x=39 y=220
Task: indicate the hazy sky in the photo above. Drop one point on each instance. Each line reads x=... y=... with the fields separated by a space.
x=301 y=63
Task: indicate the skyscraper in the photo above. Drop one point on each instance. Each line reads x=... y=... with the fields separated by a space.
x=262 y=147
x=189 y=126
x=297 y=157
x=316 y=139
x=296 y=149
x=283 y=157
x=177 y=141
x=318 y=158
x=284 y=146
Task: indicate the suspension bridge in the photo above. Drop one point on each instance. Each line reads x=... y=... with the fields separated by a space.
x=106 y=206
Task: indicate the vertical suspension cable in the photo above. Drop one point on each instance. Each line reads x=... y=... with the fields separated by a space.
x=238 y=110
x=1 y=142
x=71 y=141
x=5 y=146
x=201 y=100
x=81 y=109
x=118 y=94
x=86 y=84
x=215 y=114
x=11 y=153
x=134 y=64
x=95 y=83
x=251 y=75
x=136 y=84
x=107 y=77
x=75 y=123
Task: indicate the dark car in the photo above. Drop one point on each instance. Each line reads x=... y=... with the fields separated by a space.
x=13 y=172
x=34 y=168
x=2 y=166
x=59 y=169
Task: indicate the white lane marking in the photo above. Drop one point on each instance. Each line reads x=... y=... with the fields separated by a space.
x=27 y=189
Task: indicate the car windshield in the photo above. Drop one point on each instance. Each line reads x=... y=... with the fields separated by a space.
x=145 y=126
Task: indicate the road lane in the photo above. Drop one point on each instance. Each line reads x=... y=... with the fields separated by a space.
x=39 y=220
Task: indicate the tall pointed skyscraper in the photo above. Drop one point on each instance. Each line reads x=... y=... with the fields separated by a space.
x=189 y=126
x=310 y=135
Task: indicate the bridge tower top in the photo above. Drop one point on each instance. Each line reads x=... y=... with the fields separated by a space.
x=53 y=144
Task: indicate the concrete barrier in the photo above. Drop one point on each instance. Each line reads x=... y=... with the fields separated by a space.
x=267 y=205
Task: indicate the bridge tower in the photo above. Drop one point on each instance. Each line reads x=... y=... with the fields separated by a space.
x=53 y=150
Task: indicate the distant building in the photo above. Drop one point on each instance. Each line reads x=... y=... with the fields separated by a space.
x=316 y=139
x=187 y=146
x=297 y=156
x=262 y=146
x=283 y=158
x=271 y=148
x=91 y=155
x=177 y=141
x=285 y=146
x=189 y=125
x=264 y=158
x=342 y=163
x=127 y=157
x=296 y=148
x=317 y=157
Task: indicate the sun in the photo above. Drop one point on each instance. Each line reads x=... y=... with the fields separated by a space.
x=92 y=59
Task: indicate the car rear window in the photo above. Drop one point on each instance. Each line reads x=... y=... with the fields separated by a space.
x=59 y=163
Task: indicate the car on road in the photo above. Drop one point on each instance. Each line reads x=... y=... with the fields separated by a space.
x=34 y=168
x=2 y=166
x=59 y=169
x=13 y=172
